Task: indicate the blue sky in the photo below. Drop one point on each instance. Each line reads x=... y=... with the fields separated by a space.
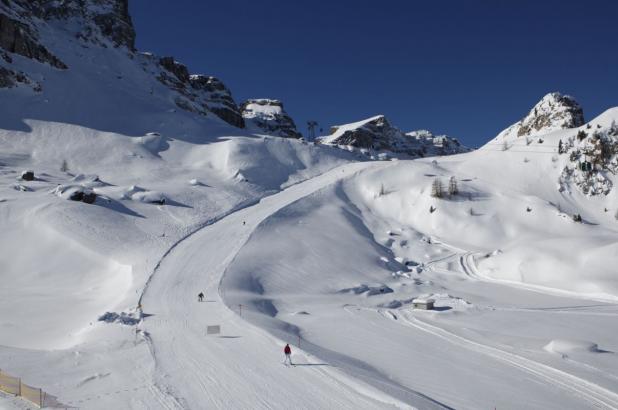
x=464 y=68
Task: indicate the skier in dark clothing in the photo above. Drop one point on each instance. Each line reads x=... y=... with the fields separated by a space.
x=200 y=297
x=288 y=354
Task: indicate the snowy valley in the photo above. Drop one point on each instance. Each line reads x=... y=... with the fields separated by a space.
x=128 y=185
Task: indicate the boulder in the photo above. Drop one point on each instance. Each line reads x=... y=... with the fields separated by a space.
x=27 y=176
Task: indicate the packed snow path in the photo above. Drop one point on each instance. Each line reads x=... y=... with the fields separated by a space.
x=242 y=367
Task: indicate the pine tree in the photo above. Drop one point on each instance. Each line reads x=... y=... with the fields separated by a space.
x=452 y=187
x=65 y=166
x=436 y=188
x=560 y=147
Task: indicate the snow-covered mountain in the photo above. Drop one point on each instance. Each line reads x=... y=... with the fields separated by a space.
x=587 y=153
x=66 y=52
x=128 y=185
x=268 y=116
x=377 y=134
x=554 y=112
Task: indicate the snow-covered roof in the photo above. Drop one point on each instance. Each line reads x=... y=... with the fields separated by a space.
x=423 y=301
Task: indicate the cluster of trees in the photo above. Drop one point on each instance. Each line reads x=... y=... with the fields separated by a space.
x=437 y=189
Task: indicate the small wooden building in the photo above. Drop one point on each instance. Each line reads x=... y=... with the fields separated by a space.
x=423 y=303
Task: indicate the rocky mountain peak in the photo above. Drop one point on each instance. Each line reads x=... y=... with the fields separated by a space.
x=377 y=133
x=555 y=111
x=268 y=116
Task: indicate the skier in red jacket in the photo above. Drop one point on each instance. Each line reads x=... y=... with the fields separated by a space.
x=288 y=354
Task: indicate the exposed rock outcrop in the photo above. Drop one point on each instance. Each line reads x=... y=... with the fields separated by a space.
x=268 y=116
x=555 y=111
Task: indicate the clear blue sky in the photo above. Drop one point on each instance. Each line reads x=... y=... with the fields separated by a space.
x=465 y=68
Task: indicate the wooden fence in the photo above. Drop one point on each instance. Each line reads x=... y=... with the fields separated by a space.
x=13 y=385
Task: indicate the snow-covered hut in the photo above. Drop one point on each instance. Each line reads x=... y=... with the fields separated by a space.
x=423 y=303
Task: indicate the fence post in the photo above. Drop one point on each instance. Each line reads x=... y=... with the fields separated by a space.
x=41 y=398
x=19 y=388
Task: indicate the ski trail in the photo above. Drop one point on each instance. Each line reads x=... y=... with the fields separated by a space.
x=594 y=394
x=240 y=368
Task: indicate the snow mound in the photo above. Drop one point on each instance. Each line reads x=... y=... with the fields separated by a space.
x=153 y=142
x=563 y=346
x=136 y=193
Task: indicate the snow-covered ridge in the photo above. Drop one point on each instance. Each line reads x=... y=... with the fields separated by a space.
x=377 y=133
x=268 y=116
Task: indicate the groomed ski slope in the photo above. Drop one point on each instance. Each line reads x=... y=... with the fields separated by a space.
x=242 y=367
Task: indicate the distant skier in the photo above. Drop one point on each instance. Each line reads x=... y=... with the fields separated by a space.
x=288 y=354
x=243 y=222
x=200 y=297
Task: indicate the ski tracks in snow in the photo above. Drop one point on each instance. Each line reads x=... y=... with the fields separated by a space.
x=468 y=265
x=594 y=394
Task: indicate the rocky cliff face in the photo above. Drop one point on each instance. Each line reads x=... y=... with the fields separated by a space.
x=53 y=33
x=200 y=93
x=107 y=18
x=432 y=145
x=268 y=116
x=554 y=112
x=378 y=134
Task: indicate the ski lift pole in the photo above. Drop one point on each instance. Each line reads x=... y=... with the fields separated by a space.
x=311 y=127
